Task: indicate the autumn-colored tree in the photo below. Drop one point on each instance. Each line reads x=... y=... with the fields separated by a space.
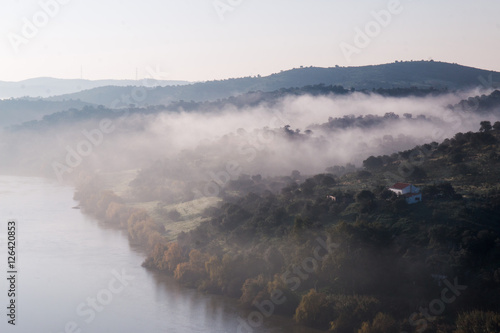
x=286 y=300
x=173 y=256
x=117 y=214
x=105 y=198
x=141 y=226
x=314 y=310
x=214 y=283
x=478 y=321
x=193 y=271
x=156 y=257
x=350 y=310
x=254 y=289
x=155 y=238
x=382 y=323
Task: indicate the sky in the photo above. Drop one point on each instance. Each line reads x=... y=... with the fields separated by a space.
x=199 y=40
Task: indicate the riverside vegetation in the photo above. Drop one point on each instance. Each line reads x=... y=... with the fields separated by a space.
x=391 y=261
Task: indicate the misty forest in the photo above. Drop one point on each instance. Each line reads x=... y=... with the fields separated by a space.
x=287 y=192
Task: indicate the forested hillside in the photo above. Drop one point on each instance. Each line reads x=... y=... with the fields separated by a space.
x=338 y=250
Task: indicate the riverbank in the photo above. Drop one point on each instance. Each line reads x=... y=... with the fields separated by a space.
x=66 y=258
x=165 y=257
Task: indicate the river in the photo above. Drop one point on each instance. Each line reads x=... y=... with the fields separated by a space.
x=75 y=276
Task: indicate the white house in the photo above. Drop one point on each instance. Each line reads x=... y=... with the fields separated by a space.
x=410 y=192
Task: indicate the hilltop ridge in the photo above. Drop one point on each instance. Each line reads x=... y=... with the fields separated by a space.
x=421 y=74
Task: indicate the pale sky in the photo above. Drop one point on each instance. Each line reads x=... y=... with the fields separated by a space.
x=188 y=40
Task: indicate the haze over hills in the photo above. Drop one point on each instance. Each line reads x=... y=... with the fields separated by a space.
x=46 y=86
x=422 y=74
x=16 y=111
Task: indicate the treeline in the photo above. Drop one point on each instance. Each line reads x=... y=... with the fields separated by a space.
x=73 y=113
x=367 y=121
x=470 y=159
x=483 y=103
x=412 y=91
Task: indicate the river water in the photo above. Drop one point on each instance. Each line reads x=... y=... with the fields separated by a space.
x=75 y=276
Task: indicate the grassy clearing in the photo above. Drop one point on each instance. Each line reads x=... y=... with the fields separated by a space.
x=190 y=214
x=118 y=182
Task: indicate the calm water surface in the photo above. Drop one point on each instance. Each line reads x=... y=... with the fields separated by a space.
x=75 y=276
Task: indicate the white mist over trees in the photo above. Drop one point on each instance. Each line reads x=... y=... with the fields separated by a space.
x=305 y=133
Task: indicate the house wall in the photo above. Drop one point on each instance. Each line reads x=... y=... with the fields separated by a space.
x=414 y=199
x=398 y=192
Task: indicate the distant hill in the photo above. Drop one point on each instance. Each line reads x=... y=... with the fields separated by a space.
x=17 y=111
x=46 y=87
x=421 y=74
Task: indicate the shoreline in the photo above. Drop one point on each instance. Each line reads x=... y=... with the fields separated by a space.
x=149 y=242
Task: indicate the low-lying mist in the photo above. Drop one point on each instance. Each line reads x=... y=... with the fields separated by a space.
x=302 y=133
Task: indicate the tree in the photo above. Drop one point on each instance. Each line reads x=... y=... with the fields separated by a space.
x=314 y=310
x=308 y=186
x=373 y=163
x=300 y=224
x=172 y=257
x=485 y=126
x=365 y=196
x=191 y=272
x=366 y=200
x=391 y=115
x=382 y=323
x=478 y=321
x=387 y=194
x=496 y=126
x=251 y=289
x=418 y=174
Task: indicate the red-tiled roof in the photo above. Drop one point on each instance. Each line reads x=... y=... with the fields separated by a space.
x=400 y=186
